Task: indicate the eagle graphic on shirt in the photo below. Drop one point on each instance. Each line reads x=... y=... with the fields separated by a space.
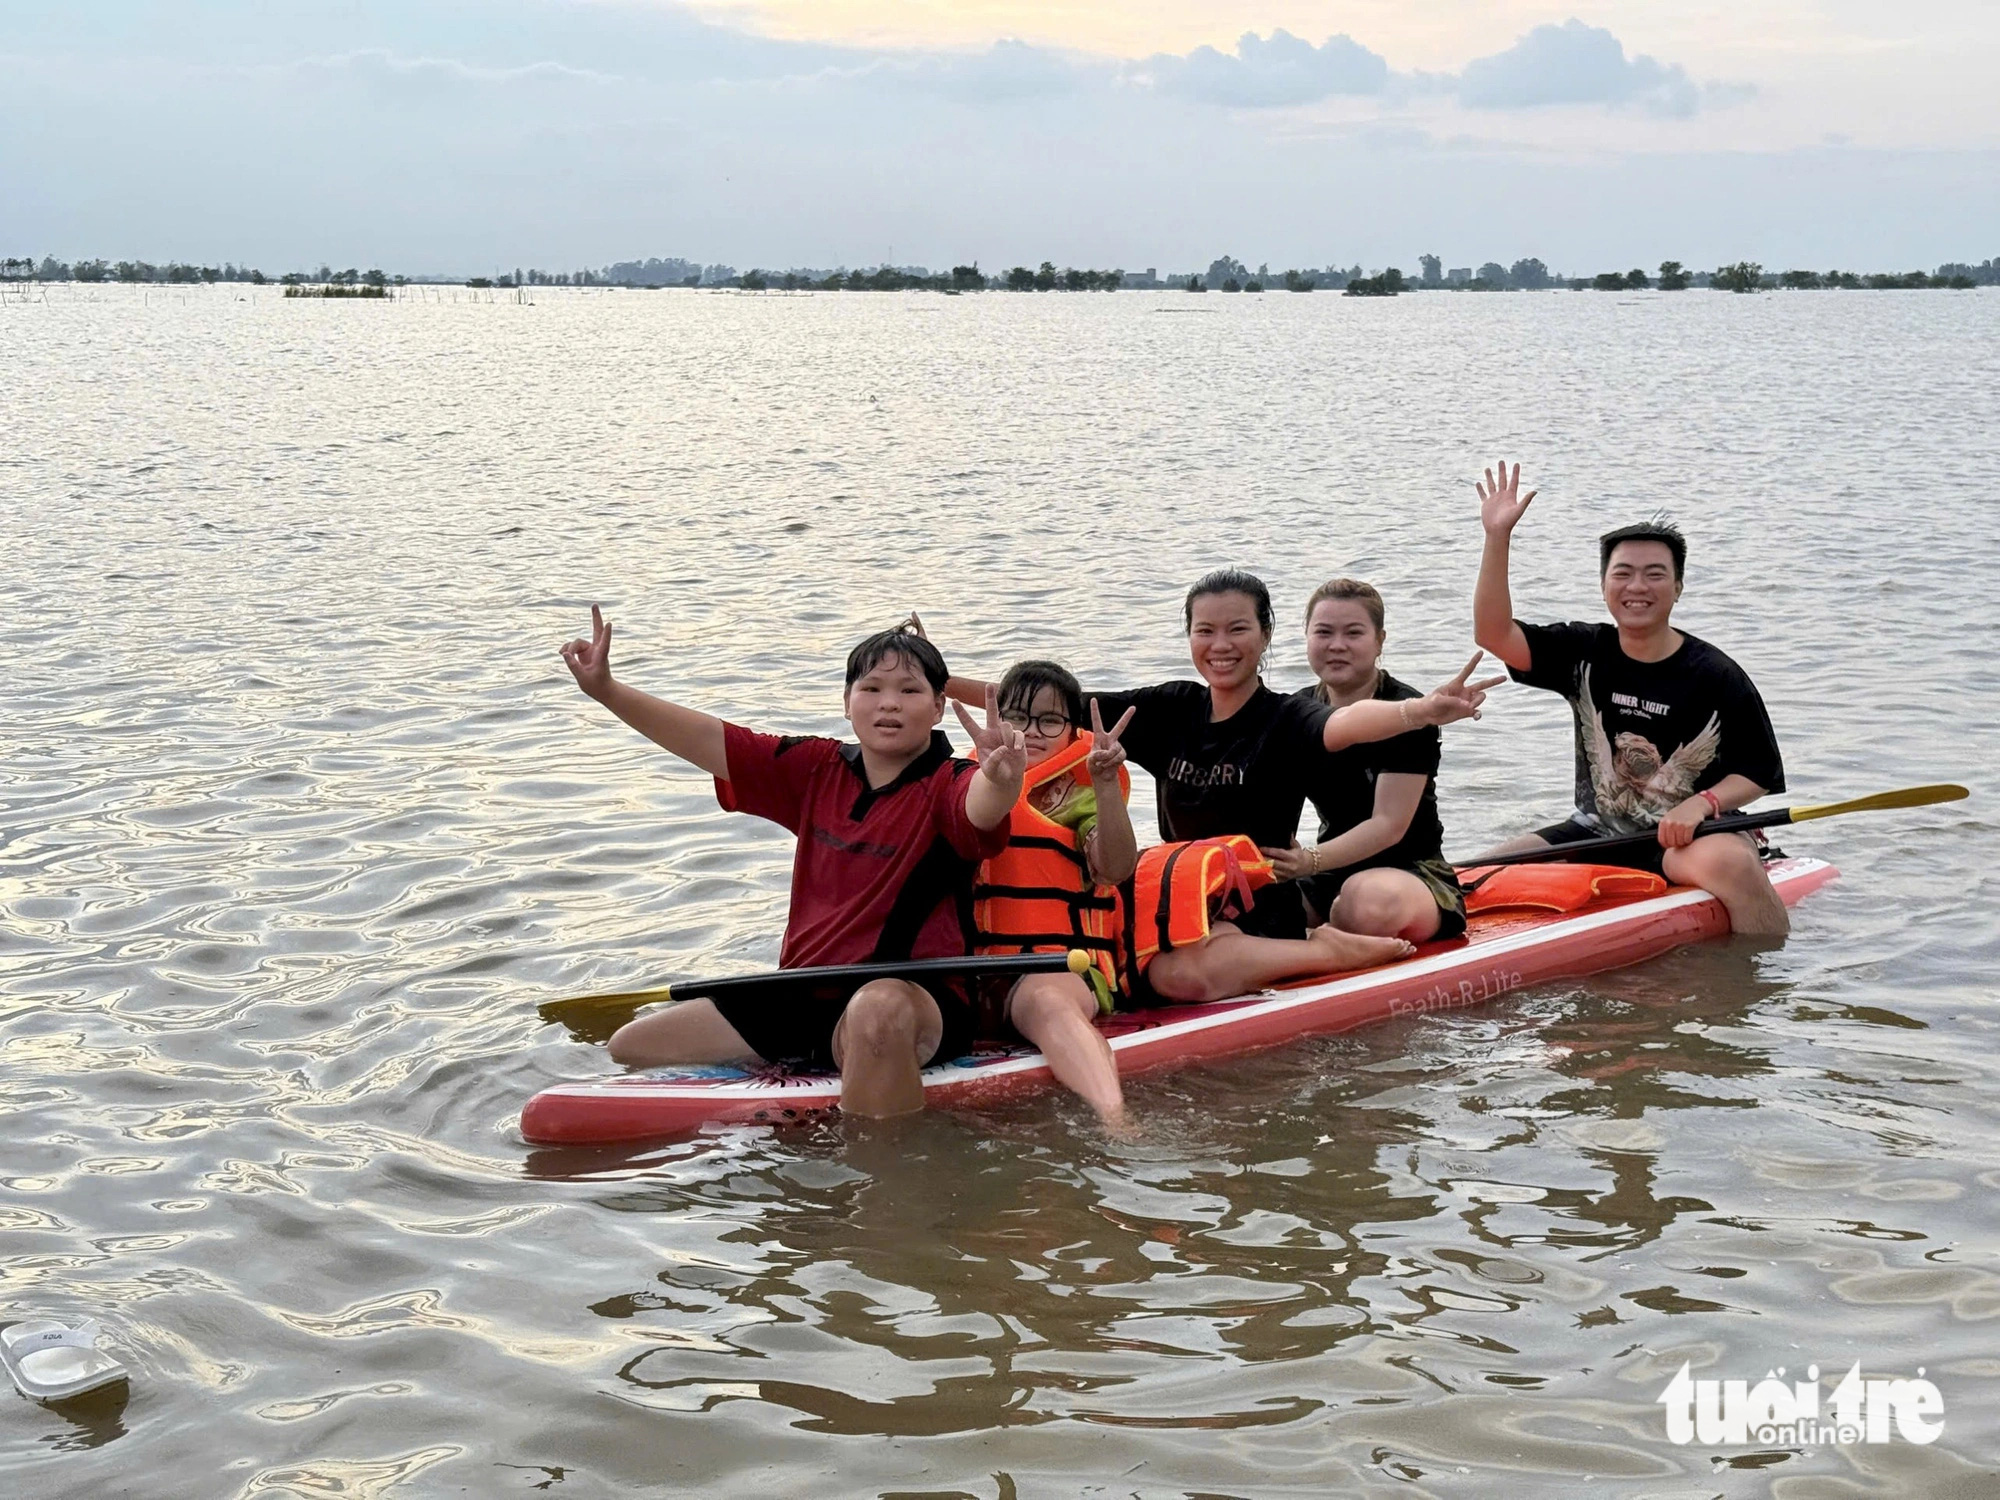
x=1634 y=786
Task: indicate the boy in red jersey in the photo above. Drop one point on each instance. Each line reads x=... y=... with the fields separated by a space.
x=890 y=829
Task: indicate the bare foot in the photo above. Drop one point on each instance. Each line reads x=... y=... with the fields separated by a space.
x=1354 y=950
x=1118 y=1127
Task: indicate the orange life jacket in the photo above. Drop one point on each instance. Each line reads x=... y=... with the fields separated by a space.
x=1179 y=889
x=1036 y=895
x=1553 y=886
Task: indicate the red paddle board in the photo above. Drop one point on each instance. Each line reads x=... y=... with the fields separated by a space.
x=1501 y=951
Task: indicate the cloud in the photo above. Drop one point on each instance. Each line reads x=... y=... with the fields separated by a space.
x=380 y=66
x=1008 y=70
x=1578 y=64
x=1268 y=74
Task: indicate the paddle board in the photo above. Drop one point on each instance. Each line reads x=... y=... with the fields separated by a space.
x=1500 y=952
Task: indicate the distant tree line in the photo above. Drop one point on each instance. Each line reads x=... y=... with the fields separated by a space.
x=1225 y=274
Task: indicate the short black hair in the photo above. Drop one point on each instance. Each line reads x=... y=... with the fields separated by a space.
x=1231 y=581
x=1655 y=530
x=902 y=642
x=1026 y=679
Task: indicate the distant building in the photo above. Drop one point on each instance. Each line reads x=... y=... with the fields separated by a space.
x=1458 y=276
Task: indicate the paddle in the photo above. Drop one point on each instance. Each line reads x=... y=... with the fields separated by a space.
x=1912 y=796
x=790 y=981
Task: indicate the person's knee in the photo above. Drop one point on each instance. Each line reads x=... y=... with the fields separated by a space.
x=1370 y=907
x=1046 y=998
x=882 y=1017
x=628 y=1046
x=1719 y=861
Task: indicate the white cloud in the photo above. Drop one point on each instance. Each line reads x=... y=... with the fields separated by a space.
x=1283 y=70
x=380 y=66
x=1578 y=64
x=1008 y=70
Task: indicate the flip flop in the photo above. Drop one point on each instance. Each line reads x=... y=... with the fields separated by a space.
x=51 y=1361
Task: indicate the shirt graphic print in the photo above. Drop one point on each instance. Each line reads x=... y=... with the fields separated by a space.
x=1634 y=785
x=1650 y=734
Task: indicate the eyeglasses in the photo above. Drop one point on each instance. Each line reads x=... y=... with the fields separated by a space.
x=1048 y=726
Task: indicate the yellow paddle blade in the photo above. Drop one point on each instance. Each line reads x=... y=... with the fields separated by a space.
x=1909 y=796
x=557 y=1010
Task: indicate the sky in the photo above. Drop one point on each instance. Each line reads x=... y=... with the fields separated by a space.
x=460 y=136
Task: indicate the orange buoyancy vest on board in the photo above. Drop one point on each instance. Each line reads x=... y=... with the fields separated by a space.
x=1552 y=886
x=1179 y=889
x=1036 y=895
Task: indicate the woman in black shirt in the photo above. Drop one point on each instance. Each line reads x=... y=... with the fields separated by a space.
x=1378 y=865
x=1229 y=755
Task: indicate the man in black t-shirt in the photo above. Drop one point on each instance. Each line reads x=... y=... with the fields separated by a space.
x=1669 y=731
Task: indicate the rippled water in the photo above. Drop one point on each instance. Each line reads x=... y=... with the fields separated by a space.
x=300 y=819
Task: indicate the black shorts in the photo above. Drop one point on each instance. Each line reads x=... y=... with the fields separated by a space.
x=1437 y=875
x=797 y=1031
x=1277 y=911
x=1647 y=856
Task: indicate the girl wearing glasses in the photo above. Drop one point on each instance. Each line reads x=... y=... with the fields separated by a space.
x=1070 y=844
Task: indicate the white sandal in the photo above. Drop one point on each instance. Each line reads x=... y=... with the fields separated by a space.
x=51 y=1361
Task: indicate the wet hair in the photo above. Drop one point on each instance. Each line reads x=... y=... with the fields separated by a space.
x=1231 y=581
x=1655 y=530
x=1363 y=594
x=1026 y=679
x=900 y=642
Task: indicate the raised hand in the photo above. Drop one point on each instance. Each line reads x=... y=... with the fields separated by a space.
x=1456 y=699
x=1106 y=754
x=1501 y=503
x=589 y=662
x=1002 y=749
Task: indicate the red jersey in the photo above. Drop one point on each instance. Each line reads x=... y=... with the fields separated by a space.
x=879 y=874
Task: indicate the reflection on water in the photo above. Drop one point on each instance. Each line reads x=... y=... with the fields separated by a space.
x=300 y=822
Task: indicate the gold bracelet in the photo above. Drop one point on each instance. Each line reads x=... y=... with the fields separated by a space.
x=1315 y=860
x=1403 y=712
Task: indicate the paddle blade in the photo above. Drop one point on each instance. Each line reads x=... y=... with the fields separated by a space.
x=576 y=1007
x=1909 y=796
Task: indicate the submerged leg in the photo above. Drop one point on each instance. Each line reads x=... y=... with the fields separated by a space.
x=885 y=1036
x=1057 y=1012
x=1728 y=867
x=688 y=1031
x=1230 y=962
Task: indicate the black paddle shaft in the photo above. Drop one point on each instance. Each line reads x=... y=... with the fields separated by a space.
x=1730 y=823
x=783 y=981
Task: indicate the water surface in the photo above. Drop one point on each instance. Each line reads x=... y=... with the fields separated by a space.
x=300 y=818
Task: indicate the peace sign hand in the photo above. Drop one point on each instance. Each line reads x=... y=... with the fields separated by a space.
x=1456 y=699
x=1501 y=504
x=1106 y=754
x=1002 y=749
x=589 y=662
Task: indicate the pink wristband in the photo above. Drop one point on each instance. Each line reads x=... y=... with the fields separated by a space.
x=1714 y=803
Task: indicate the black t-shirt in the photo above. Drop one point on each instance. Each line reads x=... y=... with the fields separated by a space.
x=1649 y=735
x=1247 y=774
x=1343 y=787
